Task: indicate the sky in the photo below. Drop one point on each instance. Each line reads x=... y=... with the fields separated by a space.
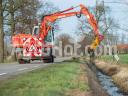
x=68 y=25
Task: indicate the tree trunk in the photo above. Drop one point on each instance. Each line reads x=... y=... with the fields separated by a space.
x=1 y=34
x=11 y=11
x=11 y=2
x=12 y=24
x=12 y=32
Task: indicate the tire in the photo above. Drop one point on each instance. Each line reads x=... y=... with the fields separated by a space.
x=22 y=61
x=28 y=61
x=49 y=59
x=52 y=59
x=45 y=61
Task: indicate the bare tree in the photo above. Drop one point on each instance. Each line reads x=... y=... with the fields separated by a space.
x=66 y=40
x=123 y=37
x=21 y=12
x=105 y=22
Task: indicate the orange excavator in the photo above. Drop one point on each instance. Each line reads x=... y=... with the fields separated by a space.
x=34 y=46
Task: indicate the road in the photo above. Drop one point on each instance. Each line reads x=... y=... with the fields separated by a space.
x=9 y=70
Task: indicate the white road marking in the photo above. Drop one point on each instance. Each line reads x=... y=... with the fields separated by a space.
x=36 y=66
x=22 y=69
x=2 y=74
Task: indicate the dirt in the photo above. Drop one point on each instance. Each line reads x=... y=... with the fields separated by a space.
x=82 y=77
x=77 y=92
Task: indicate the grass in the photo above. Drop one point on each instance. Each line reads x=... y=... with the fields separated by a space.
x=123 y=58
x=119 y=73
x=54 y=80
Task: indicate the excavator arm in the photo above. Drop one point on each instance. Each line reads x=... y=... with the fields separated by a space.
x=46 y=20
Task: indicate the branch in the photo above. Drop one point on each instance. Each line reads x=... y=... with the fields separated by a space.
x=7 y=23
x=5 y=5
x=6 y=15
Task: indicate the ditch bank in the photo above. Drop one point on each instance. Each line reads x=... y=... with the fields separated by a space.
x=117 y=73
x=101 y=83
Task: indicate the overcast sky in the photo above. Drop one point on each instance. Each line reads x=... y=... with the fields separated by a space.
x=68 y=25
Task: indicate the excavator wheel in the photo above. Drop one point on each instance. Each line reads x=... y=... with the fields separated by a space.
x=22 y=61
x=49 y=59
x=52 y=59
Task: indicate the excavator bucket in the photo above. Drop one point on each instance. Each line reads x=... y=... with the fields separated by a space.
x=95 y=43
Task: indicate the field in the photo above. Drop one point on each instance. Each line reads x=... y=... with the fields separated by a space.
x=56 y=80
x=123 y=58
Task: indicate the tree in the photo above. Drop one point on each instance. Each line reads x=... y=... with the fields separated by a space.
x=123 y=37
x=65 y=39
x=21 y=12
x=24 y=14
x=46 y=9
x=27 y=15
x=1 y=33
x=105 y=22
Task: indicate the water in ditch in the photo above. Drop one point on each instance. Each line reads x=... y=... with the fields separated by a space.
x=108 y=85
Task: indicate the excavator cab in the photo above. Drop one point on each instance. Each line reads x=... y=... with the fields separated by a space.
x=47 y=44
x=35 y=30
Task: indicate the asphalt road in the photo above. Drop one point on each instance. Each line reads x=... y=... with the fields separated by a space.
x=9 y=70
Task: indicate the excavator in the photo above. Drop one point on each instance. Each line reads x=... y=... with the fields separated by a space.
x=33 y=46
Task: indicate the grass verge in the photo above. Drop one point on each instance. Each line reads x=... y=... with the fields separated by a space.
x=55 y=80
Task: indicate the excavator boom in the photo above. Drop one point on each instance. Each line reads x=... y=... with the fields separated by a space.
x=63 y=14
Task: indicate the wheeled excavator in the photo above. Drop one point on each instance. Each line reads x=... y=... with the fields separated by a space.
x=34 y=46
